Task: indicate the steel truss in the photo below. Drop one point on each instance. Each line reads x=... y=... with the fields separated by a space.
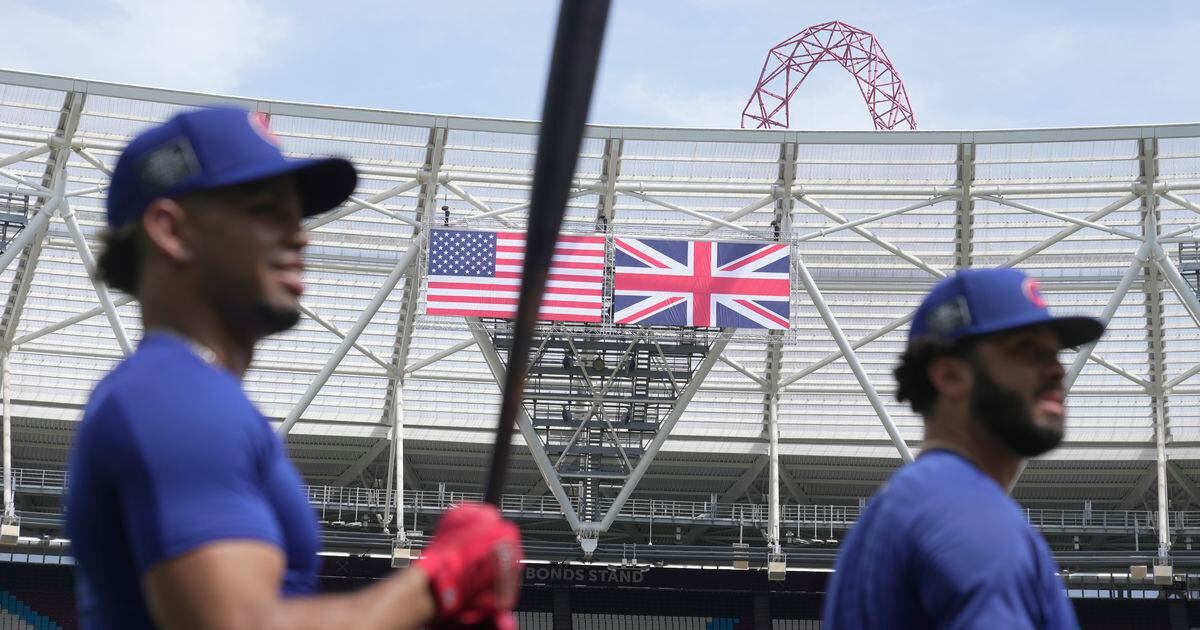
x=807 y=215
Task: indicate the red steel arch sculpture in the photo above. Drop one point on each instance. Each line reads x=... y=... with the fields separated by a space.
x=789 y=63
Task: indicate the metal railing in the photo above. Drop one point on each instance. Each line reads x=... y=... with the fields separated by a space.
x=339 y=503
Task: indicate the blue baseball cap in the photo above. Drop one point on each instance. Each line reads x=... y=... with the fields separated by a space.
x=211 y=148
x=981 y=301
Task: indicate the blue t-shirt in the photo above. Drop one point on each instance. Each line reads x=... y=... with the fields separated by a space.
x=942 y=546
x=171 y=456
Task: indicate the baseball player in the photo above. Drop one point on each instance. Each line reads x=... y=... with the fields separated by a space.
x=942 y=545
x=183 y=508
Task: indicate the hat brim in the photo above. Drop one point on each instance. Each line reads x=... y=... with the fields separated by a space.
x=1076 y=331
x=1072 y=331
x=323 y=184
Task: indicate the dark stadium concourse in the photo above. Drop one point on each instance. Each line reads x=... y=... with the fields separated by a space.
x=591 y=597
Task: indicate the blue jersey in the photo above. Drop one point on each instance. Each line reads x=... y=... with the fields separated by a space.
x=941 y=545
x=171 y=456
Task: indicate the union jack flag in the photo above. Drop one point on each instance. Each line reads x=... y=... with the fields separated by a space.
x=702 y=283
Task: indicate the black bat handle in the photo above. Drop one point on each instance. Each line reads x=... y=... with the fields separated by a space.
x=568 y=94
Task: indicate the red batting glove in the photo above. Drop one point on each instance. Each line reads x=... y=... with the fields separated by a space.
x=473 y=565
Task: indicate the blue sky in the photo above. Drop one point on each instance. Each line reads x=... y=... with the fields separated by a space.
x=966 y=64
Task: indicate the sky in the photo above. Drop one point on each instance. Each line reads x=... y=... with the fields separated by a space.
x=966 y=64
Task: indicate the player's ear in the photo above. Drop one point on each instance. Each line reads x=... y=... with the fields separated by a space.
x=167 y=230
x=951 y=376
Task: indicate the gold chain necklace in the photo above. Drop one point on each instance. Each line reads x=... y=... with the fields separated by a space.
x=205 y=353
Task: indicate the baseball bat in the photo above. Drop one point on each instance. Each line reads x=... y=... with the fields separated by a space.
x=577 y=42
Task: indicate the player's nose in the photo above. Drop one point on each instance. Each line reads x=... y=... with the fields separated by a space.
x=1055 y=371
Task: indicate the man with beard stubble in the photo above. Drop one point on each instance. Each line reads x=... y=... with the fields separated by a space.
x=183 y=508
x=941 y=544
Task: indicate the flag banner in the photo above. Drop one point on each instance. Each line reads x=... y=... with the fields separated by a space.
x=478 y=274
x=702 y=283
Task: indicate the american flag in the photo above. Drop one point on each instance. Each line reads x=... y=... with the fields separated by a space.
x=478 y=274
x=702 y=283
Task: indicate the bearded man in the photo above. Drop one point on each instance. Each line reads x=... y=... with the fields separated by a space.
x=942 y=545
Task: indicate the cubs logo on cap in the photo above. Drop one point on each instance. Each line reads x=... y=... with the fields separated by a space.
x=261 y=123
x=981 y=301
x=1033 y=291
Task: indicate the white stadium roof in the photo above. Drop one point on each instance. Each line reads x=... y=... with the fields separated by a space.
x=1097 y=214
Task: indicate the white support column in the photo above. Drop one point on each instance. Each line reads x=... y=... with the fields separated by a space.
x=427 y=198
x=864 y=381
x=834 y=356
x=758 y=380
x=24 y=155
x=434 y=358
x=341 y=335
x=773 y=453
x=887 y=245
x=353 y=334
x=1189 y=373
x=865 y=220
x=1136 y=265
x=398 y=452
x=784 y=210
x=391 y=214
x=32 y=186
x=483 y=208
x=89 y=265
x=513 y=208
x=607 y=202
x=760 y=203
x=75 y=319
x=1180 y=201
x=1068 y=231
x=21 y=190
x=10 y=510
x=1160 y=443
x=1177 y=235
x=391 y=477
x=1171 y=274
x=33 y=229
x=94 y=161
x=1154 y=273
x=964 y=211
x=691 y=213
x=393 y=398
x=1061 y=217
x=1120 y=371
x=1184 y=482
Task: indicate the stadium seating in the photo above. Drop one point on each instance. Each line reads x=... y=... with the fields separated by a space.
x=590 y=621
x=12 y=621
x=17 y=615
x=795 y=624
x=47 y=589
x=534 y=620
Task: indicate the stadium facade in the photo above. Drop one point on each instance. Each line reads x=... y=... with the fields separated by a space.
x=682 y=443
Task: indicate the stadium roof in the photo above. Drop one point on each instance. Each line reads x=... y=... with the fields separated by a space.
x=1104 y=217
